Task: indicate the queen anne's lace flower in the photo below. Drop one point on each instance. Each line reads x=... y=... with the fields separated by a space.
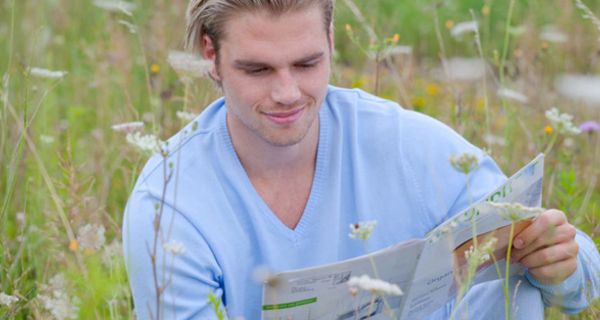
x=362 y=230
x=56 y=300
x=375 y=286
x=144 y=142
x=128 y=127
x=563 y=122
x=91 y=236
x=188 y=64
x=7 y=300
x=464 y=27
x=186 y=116
x=465 y=162
x=48 y=74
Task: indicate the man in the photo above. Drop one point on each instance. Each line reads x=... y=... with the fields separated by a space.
x=279 y=167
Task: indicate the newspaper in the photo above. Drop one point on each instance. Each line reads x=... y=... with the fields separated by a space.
x=428 y=270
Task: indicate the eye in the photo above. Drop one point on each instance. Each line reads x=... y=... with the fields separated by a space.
x=256 y=71
x=306 y=65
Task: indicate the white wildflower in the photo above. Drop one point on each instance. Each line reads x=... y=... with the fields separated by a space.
x=173 y=247
x=56 y=300
x=7 y=300
x=493 y=139
x=186 y=116
x=396 y=51
x=514 y=211
x=91 y=236
x=465 y=162
x=362 y=230
x=512 y=95
x=48 y=74
x=188 y=64
x=563 y=122
x=20 y=218
x=482 y=254
x=116 y=6
x=46 y=139
x=114 y=249
x=464 y=27
x=144 y=142
x=128 y=126
x=579 y=87
x=375 y=286
x=465 y=69
x=551 y=33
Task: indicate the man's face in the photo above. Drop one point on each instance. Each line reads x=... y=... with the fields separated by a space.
x=274 y=72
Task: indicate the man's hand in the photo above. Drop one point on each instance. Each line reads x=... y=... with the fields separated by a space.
x=547 y=247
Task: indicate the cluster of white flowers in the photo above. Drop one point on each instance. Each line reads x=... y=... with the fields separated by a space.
x=116 y=6
x=114 y=249
x=551 y=33
x=362 y=230
x=563 y=122
x=188 y=64
x=515 y=211
x=464 y=69
x=55 y=299
x=128 y=127
x=48 y=74
x=396 y=51
x=513 y=95
x=482 y=254
x=91 y=236
x=144 y=142
x=46 y=139
x=465 y=163
x=375 y=286
x=7 y=300
x=186 y=116
x=579 y=87
x=464 y=27
x=173 y=247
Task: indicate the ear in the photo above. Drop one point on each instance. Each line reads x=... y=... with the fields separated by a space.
x=210 y=53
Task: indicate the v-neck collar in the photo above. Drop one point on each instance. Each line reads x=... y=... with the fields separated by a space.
x=308 y=217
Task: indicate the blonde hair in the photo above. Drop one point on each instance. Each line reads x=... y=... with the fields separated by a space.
x=207 y=17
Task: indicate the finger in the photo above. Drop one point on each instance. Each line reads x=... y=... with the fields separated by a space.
x=543 y=222
x=551 y=255
x=563 y=233
x=554 y=273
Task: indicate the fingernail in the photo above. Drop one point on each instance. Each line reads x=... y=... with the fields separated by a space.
x=518 y=243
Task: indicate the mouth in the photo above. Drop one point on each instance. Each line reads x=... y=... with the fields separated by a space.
x=284 y=118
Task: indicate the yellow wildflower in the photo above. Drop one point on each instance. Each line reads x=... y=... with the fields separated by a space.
x=154 y=68
x=432 y=90
x=449 y=24
x=73 y=245
x=418 y=102
x=396 y=38
x=348 y=28
x=545 y=45
x=548 y=130
x=485 y=10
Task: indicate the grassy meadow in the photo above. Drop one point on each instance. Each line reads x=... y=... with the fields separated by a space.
x=66 y=172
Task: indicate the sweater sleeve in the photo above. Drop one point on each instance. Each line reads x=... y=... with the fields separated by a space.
x=577 y=291
x=185 y=270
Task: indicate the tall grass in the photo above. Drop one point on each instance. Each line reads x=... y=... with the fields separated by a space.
x=63 y=168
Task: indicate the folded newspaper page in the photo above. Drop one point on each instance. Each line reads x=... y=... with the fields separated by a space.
x=429 y=270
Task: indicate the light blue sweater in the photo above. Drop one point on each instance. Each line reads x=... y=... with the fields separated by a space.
x=375 y=161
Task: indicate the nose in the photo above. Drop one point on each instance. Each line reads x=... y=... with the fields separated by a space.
x=285 y=88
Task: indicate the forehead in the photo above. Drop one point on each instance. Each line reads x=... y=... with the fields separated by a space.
x=261 y=34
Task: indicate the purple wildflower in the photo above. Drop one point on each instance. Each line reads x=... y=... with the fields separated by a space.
x=590 y=126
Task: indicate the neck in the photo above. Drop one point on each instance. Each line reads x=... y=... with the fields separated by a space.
x=263 y=160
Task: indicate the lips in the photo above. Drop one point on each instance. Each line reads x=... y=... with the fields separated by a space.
x=283 y=118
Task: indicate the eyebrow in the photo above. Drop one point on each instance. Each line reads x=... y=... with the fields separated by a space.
x=245 y=64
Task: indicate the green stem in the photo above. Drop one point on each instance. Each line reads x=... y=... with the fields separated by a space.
x=507 y=272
